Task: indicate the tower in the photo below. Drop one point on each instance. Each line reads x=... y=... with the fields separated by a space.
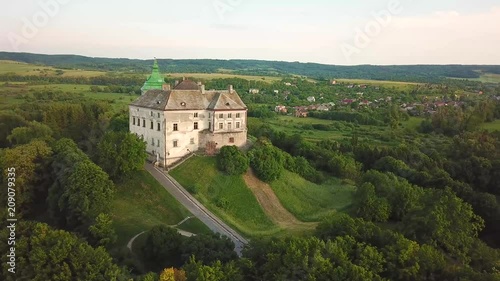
x=155 y=81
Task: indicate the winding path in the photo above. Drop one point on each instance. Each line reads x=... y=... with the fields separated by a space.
x=196 y=208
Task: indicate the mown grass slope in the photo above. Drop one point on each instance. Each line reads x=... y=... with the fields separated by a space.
x=227 y=196
x=141 y=203
x=311 y=202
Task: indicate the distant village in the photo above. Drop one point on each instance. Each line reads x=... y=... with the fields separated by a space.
x=427 y=106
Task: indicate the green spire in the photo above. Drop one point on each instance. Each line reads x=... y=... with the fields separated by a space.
x=155 y=81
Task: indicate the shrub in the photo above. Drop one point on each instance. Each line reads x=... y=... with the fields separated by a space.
x=232 y=161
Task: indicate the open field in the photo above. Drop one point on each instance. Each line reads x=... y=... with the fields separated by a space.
x=17 y=93
x=227 y=196
x=385 y=84
x=141 y=203
x=311 y=202
x=295 y=125
x=21 y=68
x=485 y=78
x=208 y=76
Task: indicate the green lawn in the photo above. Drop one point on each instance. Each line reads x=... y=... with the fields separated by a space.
x=141 y=203
x=240 y=210
x=294 y=125
x=308 y=201
x=491 y=126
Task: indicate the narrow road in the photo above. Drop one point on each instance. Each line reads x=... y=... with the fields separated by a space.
x=196 y=208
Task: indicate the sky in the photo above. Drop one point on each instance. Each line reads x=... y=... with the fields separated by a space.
x=381 y=32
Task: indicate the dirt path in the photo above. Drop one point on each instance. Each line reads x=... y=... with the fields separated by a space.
x=271 y=204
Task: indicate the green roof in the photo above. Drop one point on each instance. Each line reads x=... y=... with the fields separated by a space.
x=155 y=81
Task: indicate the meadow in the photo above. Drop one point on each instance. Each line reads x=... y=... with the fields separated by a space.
x=17 y=93
x=227 y=196
x=311 y=202
x=141 y=203
x=303 y=126
x=21 y=68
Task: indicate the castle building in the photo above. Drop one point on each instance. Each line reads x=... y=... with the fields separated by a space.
x=176 y=120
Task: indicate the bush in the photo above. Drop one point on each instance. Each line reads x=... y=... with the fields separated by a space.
x=267 y=162
x=232 y=161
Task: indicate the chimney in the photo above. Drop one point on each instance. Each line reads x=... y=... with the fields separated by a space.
x=166 y=87
x=202 y=88
x=230 y=89
x=176 y=83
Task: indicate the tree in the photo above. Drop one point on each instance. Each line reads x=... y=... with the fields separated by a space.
x=216 y=271
x=87 y=193
x=208 y=248
x=34 y=130
x=444 y=221
x=81 y=190
x=102 y=232
x=232 y=161
x=121 y=153
x=163 y=246
x=369 y=206
x=29 y=162
x=8 y=121
x=46 y=254
x=172 y=274
x=266 y=161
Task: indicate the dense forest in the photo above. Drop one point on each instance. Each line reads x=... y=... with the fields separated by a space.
x=413 y=73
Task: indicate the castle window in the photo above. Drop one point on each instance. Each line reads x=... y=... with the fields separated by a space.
x=158 y=143
x=209 y=125
x=144 y=123
x=238 y=115
x=196 y=125
x=158 y=114
x=196 y=115
x=176 y=128
x=229 y=115
x=237 y=125
x=133 y=122
x=209 y=115
x=158 y=126
x=191 y=141
x=151 y=113
x=229 y=126
x=151 y=125
x=175 y=143
x=221 y=115
x=231 y=140
x=221 y=126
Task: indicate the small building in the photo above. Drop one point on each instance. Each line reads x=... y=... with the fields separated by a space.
x=311 y=99
x=281 y=109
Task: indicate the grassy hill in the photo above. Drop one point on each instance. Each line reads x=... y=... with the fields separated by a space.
x=141 y=203
x=288 y=205
x=310 y=202
x=227 y=196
